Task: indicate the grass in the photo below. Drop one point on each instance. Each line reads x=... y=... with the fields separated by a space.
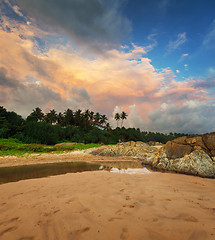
x=13 y=147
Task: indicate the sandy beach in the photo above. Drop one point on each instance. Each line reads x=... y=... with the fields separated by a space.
x=77 y=156
x=104 y=205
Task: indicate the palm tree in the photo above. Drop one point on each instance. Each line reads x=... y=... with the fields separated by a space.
x=69 y=117
x=117 y=117
x=103 y=119
x=60 y=119
x=97 y=117
x=91 y=115
x=38 y=114
x=87 y=114
x=123 y=116
x=51 y=117
x=108 y=127
x=78 y=117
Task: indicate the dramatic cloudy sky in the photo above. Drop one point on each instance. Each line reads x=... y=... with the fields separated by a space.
x=154 y=59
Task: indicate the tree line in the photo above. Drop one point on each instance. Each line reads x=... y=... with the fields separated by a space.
x=73 y=126
x=68 y=117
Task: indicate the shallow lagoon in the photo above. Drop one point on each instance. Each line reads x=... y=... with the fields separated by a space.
x=17 y=173
x=13 y=174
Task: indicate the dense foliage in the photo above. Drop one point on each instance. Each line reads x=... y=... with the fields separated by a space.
x=72 y=126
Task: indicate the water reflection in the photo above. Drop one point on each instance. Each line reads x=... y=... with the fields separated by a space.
x=17 y=173
x=131 y=170
x=128 y=167
x=13 y=174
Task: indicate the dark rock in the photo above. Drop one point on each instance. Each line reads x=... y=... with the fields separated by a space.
x=189 y=154
x=176 y=150
x=209 y=141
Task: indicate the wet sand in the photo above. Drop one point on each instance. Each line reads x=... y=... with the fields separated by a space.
x=108 y=206
x=77 y=156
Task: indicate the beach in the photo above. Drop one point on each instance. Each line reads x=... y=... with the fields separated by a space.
x=105 y=205
x=77 y=156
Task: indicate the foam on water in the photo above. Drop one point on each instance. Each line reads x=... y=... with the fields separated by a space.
x=131 y=170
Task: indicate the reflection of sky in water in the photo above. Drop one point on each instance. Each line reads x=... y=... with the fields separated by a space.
x=131 y=170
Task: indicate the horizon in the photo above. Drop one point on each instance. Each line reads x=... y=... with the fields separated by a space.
x=152 y=59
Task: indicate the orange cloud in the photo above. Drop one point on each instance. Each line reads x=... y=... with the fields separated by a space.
x=121 y=77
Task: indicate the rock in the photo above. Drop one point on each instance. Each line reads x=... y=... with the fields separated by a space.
x=138 y=150
x=152 y=143
x=189 y=154
x=176 y=150
x=209 y=141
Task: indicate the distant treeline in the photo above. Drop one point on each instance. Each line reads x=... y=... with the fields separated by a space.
x=74 y=126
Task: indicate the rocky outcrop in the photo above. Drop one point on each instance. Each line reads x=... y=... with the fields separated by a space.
x=132 y=149
x=193 y=155
x=189 y=154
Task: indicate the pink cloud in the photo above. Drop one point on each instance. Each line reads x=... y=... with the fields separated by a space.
x=122 y=77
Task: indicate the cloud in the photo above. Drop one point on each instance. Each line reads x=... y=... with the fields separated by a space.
x=28 y=80
x=173 y=45
x=208 y=83
x=81 y=95
x=209 y=39
x=63 y=78
x=191 y=117
x=211 y=70
x=22 y=97
x=151 y=38
x=11 y=10
x=6 y=81
x=17 y=94
x=186 y=67
x=95 y=24
x=183 y=56
x=123 y=78
x=17 y=11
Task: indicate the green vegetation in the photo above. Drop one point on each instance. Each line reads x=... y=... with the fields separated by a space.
x=15 y=147
x=70 y=126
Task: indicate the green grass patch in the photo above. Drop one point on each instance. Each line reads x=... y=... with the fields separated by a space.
x=13 y=147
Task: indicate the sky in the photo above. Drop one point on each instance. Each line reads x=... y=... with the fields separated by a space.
x=153 y=59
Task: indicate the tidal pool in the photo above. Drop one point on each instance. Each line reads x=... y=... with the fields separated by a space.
x=17 y=173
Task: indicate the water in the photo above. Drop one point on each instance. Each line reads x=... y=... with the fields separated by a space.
x=17 y=173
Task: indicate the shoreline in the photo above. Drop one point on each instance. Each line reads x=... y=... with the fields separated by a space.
x=44 y=158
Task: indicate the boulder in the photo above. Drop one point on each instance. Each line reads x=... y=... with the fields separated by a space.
x=189 y=154
x=138 y=150
x=176 y=150
x=209 y=141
